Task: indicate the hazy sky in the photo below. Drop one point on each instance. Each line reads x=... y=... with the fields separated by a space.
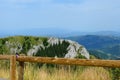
x=72 y=15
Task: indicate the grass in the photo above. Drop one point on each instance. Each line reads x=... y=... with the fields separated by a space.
x=95 y=74
x=4 y=73
x=88 y=73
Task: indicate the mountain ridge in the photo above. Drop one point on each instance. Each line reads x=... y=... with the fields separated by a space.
x=106 y=44
x=42 y=46
x=61 y=33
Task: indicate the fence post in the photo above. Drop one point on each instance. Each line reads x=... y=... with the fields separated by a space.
x=21 y=71
x=13 y=67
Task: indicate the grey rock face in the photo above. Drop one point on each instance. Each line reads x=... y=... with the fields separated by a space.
x=15 y=47
x=73 y=49
x=35 y=49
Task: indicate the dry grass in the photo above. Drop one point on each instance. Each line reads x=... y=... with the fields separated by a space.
x=4 y=73
x=90 y=73
x=95 y=73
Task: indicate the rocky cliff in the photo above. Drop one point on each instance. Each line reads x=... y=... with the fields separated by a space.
x=39 y=46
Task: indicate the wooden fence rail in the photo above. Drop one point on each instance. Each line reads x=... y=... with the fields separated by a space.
x=64 y=61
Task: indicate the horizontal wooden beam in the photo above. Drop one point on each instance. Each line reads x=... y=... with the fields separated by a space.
x=64 y=61
x=4 y=57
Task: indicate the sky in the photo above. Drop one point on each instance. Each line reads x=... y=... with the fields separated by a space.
x=58 y=16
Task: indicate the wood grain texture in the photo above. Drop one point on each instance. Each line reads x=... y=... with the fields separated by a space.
x=64 y=61
x=4 y=57
x=13 y=68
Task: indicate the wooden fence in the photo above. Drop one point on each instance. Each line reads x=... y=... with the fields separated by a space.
x=64 y=61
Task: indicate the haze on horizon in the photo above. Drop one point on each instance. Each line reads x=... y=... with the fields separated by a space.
x=56 y=16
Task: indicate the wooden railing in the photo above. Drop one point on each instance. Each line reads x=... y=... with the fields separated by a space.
x=64 y=61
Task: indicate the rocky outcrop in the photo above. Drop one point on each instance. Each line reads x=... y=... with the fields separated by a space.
x=14 y=47
x=74 y=49
x=35 y=49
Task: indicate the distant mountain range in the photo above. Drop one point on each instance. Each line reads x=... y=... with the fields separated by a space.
x=103 y=46
x=56 y=33
x=106 y=33
x=96 y=41
x=101 y=33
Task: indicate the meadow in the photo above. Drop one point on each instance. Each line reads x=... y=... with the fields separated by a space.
x=32 y=72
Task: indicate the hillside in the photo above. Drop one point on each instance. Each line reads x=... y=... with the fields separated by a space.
x=102 y=55
x=42 y=46
x=106 y=44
